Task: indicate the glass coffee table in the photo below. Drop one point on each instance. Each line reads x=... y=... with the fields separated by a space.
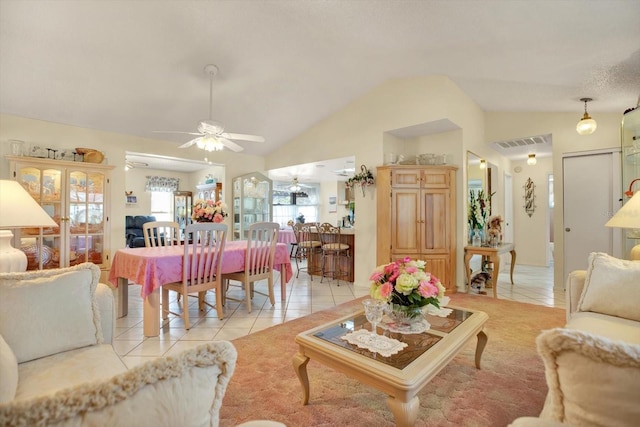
x=402 y=375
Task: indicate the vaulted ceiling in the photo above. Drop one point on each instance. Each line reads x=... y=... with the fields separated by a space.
x=137 y=66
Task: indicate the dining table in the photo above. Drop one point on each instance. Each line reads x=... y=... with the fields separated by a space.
x=152 y=267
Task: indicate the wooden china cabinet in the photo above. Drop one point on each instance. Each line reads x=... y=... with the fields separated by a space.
x=416 y=211
x=76 y=195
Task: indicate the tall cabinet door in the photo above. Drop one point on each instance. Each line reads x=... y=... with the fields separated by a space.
x=405 y=228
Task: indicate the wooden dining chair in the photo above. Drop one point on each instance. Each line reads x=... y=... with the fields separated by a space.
x=258 y=265
x=201 y=269
x=161 y=233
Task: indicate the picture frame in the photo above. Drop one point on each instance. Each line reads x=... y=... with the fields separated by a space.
x=333 y=204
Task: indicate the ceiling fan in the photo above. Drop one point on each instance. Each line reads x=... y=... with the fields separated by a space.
x=296 y=186
x=211 y=135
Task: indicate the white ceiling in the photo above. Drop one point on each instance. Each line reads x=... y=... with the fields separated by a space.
x=137 y=66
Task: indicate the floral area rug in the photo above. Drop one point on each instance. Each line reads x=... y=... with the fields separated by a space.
x=510 y=384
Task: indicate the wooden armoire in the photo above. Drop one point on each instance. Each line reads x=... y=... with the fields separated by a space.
x=416 y=214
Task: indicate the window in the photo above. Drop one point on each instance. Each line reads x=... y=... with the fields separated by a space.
x=161 y=205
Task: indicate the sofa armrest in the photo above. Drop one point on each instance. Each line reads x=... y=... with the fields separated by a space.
x=575 y=284
x=185 y=390
x=107 y=308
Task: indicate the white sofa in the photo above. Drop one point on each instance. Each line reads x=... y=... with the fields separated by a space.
x=58 y=367
x=592 y=365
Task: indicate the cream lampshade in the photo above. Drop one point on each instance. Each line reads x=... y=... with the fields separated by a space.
x=17 y=210
x=628 y=216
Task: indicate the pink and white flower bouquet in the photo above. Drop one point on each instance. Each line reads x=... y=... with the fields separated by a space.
x=208 y=211
x=406 y=286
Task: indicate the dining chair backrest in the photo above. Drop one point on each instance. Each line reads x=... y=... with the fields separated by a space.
x=161 y=233
x=261 y=248
x=203 y=249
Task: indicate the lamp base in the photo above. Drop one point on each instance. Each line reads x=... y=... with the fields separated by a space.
x=635 y=253
x=11 y=259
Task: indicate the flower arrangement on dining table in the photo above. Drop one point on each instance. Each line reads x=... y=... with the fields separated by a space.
x=208 y=211
x=406 y=286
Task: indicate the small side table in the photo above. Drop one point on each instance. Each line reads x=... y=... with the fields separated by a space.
x=493 y=254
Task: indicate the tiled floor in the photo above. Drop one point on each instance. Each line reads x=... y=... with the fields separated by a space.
x=533 y=285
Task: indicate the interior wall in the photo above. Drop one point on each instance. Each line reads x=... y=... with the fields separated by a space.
x=502 y=126
x=136 y=181
x=531 y=232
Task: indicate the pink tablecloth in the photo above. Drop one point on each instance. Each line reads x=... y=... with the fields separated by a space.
x=153 y=267
x=286 y=236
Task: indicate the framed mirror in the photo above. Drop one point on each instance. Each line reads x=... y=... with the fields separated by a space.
x=476 y=176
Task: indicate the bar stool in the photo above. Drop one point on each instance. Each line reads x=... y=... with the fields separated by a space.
x=308 y=246
x=336 y=250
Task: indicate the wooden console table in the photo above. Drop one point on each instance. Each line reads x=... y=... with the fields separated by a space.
x=493 y=255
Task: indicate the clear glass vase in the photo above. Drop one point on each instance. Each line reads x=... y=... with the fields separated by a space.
x=407 y=318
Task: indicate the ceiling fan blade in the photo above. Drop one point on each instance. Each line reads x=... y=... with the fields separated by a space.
x=243 y=137
x=177 y=131
x=230 y=145
x=190 y=143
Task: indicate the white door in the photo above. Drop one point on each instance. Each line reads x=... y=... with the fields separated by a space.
x=591 y=187
x=507 y=235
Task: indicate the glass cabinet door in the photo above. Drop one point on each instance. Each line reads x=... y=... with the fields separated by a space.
x=86 y=217
x=630 y=169
x=42 y=245
x=251 y=202
x=182 y=204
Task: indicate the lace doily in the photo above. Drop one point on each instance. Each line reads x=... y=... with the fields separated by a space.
x=440 y=312
x=380 y=344
x=415 y=327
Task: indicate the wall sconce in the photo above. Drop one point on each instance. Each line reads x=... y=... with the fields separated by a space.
x=483 y=164
x=532 y=160
x=586 y=125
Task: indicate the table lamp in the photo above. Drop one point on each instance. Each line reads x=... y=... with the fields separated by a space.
x=17 y=210
x=628 y=216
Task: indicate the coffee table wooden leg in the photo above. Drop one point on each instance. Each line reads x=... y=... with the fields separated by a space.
x=482 y=342
x=513 y=263
x=405 y=413
x=300 y=366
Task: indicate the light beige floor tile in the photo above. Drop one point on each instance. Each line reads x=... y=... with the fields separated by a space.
x=533 y=285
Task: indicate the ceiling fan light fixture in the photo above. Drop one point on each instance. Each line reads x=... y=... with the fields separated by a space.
x=586 y=125
x=209 y=143
x=295 y=187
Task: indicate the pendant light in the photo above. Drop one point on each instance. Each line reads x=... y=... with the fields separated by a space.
x=586 y=125
x=531 y=160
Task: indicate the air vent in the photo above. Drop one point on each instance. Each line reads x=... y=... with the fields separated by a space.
x=521 y=147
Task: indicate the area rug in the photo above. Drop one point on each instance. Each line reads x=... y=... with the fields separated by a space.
x=510 y=384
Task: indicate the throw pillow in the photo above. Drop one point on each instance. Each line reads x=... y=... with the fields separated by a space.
x=49 y=311
x=612 y=286
x=8 y=372
x=593 y=381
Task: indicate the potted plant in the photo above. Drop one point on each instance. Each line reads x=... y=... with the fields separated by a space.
x=363 y=179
